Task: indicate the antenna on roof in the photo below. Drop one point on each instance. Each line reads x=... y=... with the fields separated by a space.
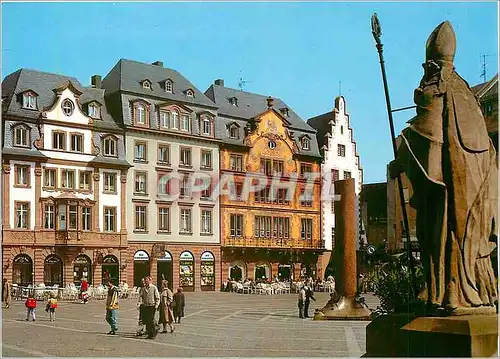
x=483 y=66
x=242 y=82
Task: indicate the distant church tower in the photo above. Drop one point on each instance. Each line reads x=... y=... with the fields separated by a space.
x=340 y=161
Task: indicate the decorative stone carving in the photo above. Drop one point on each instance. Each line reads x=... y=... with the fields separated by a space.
x=6 y=168
x=96 y=176
x=38 y=143
x=95 y=149
x=38 y=171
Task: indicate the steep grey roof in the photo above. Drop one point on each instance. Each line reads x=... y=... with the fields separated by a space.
x=127 y=76
x=25 y=152
x=249 y=105
x=44 y=84
x=322 y=126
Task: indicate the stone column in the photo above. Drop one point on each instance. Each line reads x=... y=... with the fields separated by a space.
x=342 y=304
x=38 y=194
x=250 y=270
x=39 y=265
x=96 y=222
x=6 y=196
x=123 y=202
x=274 y=270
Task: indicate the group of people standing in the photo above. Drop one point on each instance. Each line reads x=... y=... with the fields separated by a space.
x=306 y=293
x=170 y=307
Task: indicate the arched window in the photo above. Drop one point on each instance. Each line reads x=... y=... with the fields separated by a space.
x=306 y=145
x=110 y=270
x=207 y=271
x=141 y=266
x=186 y=274
x=22 y=270
x=53 y=271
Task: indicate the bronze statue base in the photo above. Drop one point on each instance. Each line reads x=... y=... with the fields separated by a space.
x=343 y=308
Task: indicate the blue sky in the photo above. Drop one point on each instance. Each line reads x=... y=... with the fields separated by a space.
x=296 y=51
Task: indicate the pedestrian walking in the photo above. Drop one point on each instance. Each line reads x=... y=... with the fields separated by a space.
x=301 y=300
x=309 y=296
x=150 y=298
x=111 y=307
x=31 y=307
x=141 y=330
x=6 y=293
x=178 y=305
x=51 y=307
x=84 y=286
x=166 y=314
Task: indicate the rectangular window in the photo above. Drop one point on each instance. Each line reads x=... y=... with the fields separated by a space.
x=140 y=218
x=140 y=152
x=207 y=192
x=335 y=175
x=164 y=119
x=306 y=229
x=206 y=159
x=281 y=227
x=206 y=221
x=49 y=178
x=234 y=132
x=207 y=128
x=185 y=124
x=58 y=140
x=29 y=101
x=72 y=217
x=236 y=225
x=86 y=218
x=236 y=191
x=185 y=157
x=262 y=226
x=109 y=182
x=341 y=150
x=277 y=167
x=306 y=197
x=184 y=186
x=22 y=215
x=164 y=219
x=236 y=163
x=141 y=182
x=109 y=146
x=109 y=219
x=68 y=179
x=94 y=111
x=77 y=143
x=163 y=184
x=140 y=114
x=266 y=166
x=347 y=174
x=185 y=225
x=49 y=217
x=85 y=180
x=164 y=154
x=21 y=136
x=305 y=169
x=22 y=175
x=280 y=197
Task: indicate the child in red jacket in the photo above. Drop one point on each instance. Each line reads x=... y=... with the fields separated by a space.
x=31 y=305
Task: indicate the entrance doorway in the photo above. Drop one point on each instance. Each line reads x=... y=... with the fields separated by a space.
x=52 y=271
x=141 y=267
x=82 y=269
x=22 y=271
x=110 y=269
x=165 y=270
x=236 y=273
x=284 y=272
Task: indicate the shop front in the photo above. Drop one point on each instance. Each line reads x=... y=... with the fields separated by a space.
x=22 y=270
x=53 y=271
x=110 y=270
x=207 y=272
x=164 y=269
x=141 y=267
x=186 y=274
x=285 y=272
x=82 y=268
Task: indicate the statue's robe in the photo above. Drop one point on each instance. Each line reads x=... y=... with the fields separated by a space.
x=451 y=164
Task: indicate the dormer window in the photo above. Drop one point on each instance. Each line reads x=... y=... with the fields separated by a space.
x=206 y=126
x=94 y=110
x=233 y=131
x=233 y=101
x=109 y=145
x=169 y=86
x=146 y=84
x=306 y=144
x=29 y=100
x=189 y=93
x=284 y=111
x=67 y=107
x=21 y=136
x=141 y=113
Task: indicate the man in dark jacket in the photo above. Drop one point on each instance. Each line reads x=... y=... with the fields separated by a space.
x=309 y=296
x=178 y=305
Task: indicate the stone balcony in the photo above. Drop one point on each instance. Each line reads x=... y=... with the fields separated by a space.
x=256 y=242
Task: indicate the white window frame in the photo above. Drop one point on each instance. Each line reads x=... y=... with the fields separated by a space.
x=175 y=120
x=236 y=225
x=49 y=216
x=51 y=179
x=140 y=218
x=185 y=153
x=29 y=101
x=137 y=151
x=79 y=142
x=207 y=126
x=141 y=182
x=109 y=182
x=164 y=119
x=21 y=136
x=185 y=225
x=206 y=154
x=169 y=86
x=206 y=221
x=165 y=148
x=22 y=215
x=65 y=176
x=109 y=219
x=185 y=123
x=86 y=219
x=164 y=219
x=108 y=144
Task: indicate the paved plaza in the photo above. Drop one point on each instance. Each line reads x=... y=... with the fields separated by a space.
x=216 y=324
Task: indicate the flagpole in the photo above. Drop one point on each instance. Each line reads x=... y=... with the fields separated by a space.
x=377 y=32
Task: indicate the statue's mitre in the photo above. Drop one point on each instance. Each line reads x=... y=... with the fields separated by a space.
x=442 y=43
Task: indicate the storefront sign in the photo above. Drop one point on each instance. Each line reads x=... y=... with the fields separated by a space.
x=166 y=256
x=141 y=256
x=186 y=256
x=207 y=256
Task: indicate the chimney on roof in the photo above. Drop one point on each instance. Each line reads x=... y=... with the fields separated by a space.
x=95 y=81
x=270 y=102
x=158 y=63
x=219 y=82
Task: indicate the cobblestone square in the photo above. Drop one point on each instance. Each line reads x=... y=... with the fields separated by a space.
x=216 y=324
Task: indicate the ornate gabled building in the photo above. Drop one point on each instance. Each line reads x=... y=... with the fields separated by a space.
x=63 y=185
x=273 y=231
x=340 y=161
x=173 y=231
x=487 y=95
